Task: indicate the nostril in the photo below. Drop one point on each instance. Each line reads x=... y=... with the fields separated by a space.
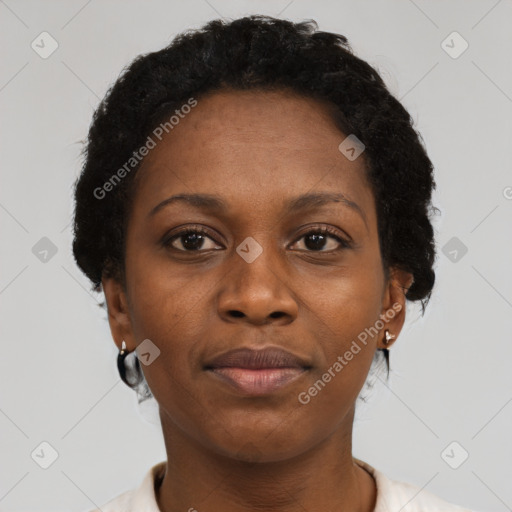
x=236 y=313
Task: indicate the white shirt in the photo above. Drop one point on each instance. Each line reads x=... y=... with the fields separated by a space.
x=392 y=496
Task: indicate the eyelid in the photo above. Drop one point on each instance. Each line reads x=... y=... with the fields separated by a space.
x=189 y=228
x=345 y=241
x=326 y=229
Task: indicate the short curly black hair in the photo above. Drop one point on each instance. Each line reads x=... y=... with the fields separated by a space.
x=265 y=53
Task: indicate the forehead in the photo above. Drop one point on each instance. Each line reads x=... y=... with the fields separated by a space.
x=253 y=119
x=251 y=144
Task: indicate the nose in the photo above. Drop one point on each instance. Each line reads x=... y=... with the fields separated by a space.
x=257 y=292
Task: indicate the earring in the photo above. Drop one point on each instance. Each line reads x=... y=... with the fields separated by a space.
x=387 y=339
x=388 y=336
x=134 y=368
x=120 y=363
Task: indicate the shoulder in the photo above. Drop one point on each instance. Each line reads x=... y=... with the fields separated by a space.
x=415 y=499
x=395 y=495
x=141 y=499
x=121 y=503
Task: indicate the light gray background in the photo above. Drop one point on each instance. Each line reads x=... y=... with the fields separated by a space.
x=451 y=378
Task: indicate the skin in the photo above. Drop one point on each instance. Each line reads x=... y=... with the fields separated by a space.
x=228 y=452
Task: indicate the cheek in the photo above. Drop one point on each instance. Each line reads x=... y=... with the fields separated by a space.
x=350 y=300
x=163 y=300
x=168 y=309
x=346 y=314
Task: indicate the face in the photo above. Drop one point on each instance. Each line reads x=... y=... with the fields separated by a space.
x=254 y=268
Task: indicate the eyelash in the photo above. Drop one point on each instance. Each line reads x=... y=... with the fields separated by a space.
x=324 y=230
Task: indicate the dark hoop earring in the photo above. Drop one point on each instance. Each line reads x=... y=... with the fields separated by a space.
x=120 y=363
x=386 y=357
x=122 y=367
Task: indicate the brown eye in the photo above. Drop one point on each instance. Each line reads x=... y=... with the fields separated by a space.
x=191 y=240
x=316 y=240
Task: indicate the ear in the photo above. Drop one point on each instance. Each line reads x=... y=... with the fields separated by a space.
x=393 y=304
x=118 y=313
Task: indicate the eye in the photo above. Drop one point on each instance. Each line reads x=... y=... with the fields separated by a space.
x=191 y=239
x=316 y=238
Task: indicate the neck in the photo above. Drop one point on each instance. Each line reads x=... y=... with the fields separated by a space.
x=323 y=478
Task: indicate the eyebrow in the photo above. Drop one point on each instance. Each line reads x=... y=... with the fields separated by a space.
x=214 y=203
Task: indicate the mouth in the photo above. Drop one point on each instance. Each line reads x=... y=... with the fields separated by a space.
x=257 y=372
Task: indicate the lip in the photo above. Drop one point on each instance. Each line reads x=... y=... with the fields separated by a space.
x=257 y=359
x=257 y=372
x=257 y=382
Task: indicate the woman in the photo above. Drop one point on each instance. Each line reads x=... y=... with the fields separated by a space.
x=255 y=206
